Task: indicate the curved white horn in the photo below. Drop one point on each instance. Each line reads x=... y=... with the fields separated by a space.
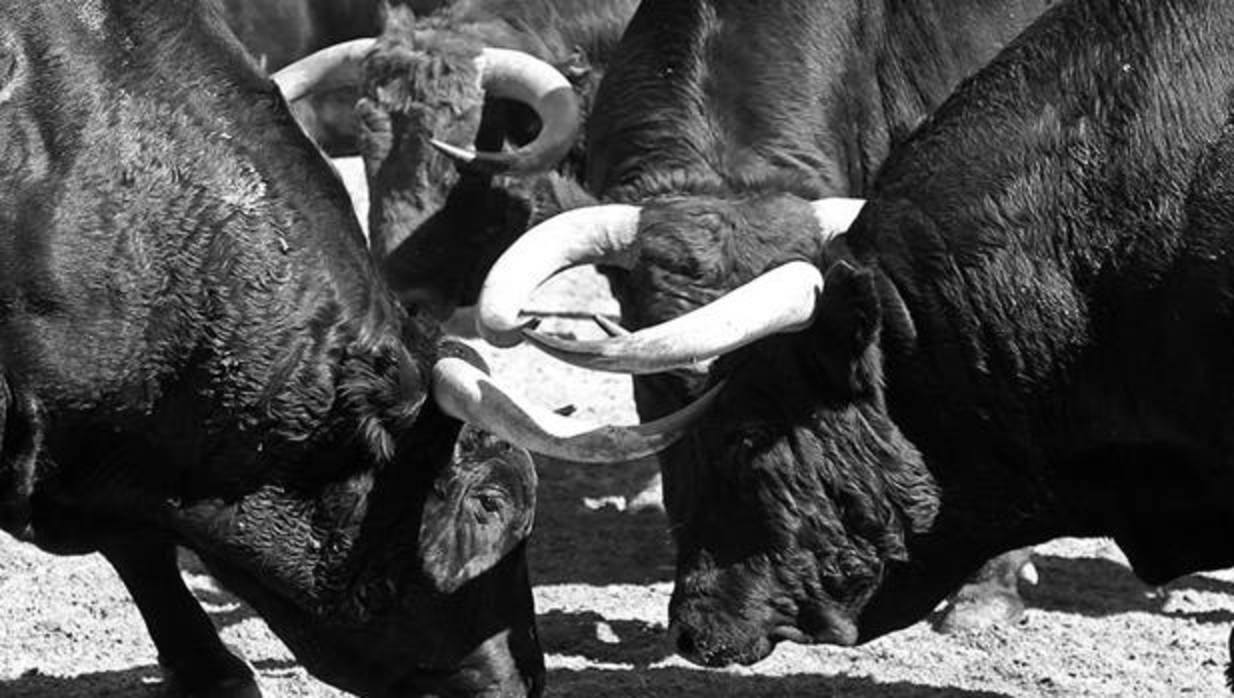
x=467 y=393
x=592 y=235
x=781 y=300
x=522 y=77
x=333 y=66
x=835 y=215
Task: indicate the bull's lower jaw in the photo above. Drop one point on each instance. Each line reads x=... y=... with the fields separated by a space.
x=840 y=632
x=787 y=632
x=835 y=628
x=492 y=670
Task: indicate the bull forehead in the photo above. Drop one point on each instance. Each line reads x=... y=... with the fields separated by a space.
x=694 y=249
x=437 y=74
x=749 y=229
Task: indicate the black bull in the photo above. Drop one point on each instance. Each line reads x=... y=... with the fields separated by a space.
x=718 y=108
x=1025 y=334
x=438 y=227
x=196 y=349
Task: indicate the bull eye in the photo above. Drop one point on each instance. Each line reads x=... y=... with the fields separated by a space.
x=749 y=444
x=752 y=441
x=489 y=501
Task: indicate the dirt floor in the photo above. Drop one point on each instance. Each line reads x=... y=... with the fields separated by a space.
x=602 y=579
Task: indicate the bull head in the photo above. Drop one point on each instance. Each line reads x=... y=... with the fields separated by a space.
x=777 y=489
x=425 y=89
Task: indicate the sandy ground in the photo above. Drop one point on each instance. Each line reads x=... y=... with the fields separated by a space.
x=602 y=579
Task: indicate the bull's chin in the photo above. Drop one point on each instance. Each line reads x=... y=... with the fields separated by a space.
x=840 y=632
x=490 y=671
x=791 y=634
x=830 y=626
x=463 y=685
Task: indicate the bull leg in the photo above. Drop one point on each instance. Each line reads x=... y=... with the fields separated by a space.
x=991 y=597
x=21 y=439
x=1229 y=668
x=195 y=661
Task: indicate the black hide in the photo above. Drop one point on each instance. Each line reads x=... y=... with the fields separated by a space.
x=723 y=120
x=196 y=349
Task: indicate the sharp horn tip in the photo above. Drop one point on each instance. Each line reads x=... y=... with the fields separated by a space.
x=453 y=152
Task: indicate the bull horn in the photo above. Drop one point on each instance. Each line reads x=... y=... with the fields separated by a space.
x=781 y=300
x=468 y=394
x=335 y=66
x=836 y=215
x=591 y=235
x=524 y=78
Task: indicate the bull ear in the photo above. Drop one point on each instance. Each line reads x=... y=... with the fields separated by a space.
x=553 y=194
x=846 y=328
x=376 y=136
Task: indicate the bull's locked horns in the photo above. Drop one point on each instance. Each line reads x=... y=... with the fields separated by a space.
x=781 y=300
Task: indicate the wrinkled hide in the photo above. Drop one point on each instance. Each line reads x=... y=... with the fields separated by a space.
x=697 y=122
x=1043 y=352
x=195 y=349
x=757 y=547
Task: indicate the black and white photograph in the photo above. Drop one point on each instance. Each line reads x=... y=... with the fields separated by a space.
x=616 y=348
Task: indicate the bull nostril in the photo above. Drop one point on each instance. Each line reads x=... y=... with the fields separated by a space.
x=686 y=646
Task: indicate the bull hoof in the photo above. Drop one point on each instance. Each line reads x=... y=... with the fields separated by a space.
x=228 y=675
x=1229 y=668
x=974 y=610
x=226 y=688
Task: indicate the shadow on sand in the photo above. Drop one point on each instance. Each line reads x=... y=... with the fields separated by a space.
x=1097 y=587
x=623 y=641
x=573 y=543
x=671 y=681
x=137 y=682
